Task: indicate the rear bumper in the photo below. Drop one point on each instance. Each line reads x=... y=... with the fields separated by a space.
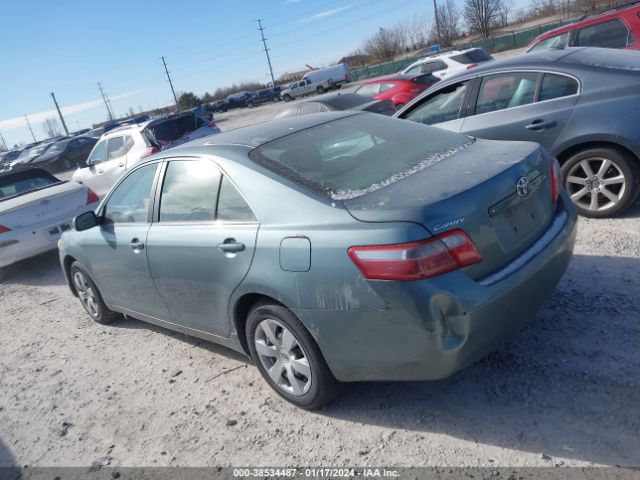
x=22 y=244
x=435 y=327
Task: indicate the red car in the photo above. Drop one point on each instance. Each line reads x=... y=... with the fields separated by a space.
x=399 y=89
x=616 y=28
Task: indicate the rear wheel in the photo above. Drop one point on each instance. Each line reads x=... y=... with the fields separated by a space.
x=320 y=90
x=288 y=358
x=601 y=182
x=90 y=297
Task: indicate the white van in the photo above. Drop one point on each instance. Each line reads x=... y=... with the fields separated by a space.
x=317 y=81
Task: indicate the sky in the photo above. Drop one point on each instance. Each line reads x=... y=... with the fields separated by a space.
x=68 y=46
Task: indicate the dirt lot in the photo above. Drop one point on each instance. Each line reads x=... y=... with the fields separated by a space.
x=566 y=391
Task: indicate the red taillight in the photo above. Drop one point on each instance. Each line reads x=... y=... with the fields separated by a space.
x=150 y=151
x=4 y=229
x=92 y=197
x=471 y=65
x=556 y=180
x=212 y=125
x=416 y=260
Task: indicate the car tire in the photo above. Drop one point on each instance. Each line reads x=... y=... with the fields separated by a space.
x=90 y=297
x=602 y=182
x=320 y=90
x=286 y=98
x=293 y=364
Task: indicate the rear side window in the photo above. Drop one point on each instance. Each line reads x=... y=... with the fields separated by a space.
x=115 y=148
x=128 y=142
x=472 y=56
x=556 y=86
x=558 y=41
x=129 y=202
x=352 y=156
x=506 y=90
x=231 y=206
x=431 y=67
x=442 y=106
x=611 y=34
x=309 y=107
x=189 y=191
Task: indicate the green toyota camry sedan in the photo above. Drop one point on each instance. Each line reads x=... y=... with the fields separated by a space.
x=330 y=248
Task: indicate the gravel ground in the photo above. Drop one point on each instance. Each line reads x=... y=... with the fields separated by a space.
x=566 y=391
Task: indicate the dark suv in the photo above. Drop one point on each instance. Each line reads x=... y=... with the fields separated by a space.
x=263 y=96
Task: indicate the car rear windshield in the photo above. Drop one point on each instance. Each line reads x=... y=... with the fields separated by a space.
x=473 y=56
x=25 y=181
x=352 y=156
x=171 y=129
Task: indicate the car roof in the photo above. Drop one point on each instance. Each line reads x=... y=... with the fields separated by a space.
x=258 y=134
x=394 y=77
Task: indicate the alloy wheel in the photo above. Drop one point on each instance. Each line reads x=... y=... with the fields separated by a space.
x=86 y=294
x=282 y=357
x=596 y=184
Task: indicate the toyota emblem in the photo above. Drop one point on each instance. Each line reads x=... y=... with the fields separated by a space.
x=522 y=187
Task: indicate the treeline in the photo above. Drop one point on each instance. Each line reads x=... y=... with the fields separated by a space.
x=482 y=18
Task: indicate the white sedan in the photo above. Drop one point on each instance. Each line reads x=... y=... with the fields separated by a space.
x=35 y=208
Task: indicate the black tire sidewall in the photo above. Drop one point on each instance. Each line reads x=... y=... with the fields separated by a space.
x=323 y=384
x=629 y=169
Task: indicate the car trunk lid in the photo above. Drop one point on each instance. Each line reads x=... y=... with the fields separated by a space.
x=476 y=190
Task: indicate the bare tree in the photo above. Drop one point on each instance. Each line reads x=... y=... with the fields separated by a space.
x=385 y=45
x=417 y=31
x=481 y=15
x=546 y=8
x=51 y=127
x=586 y=6
x=504 y=11
x=449 y=19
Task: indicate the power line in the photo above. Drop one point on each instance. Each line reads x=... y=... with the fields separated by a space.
x=266 y=50
x=106 y=102
x=60 y=113
x=31 y=129
x=172 y=90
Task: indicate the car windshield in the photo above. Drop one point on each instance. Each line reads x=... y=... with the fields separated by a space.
x=19 y=183
x=353 y=156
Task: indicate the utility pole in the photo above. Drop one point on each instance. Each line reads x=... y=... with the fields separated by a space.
x=266 y=50
x=435 y=12
x=31 y=129
x=3 y=142
x=106 y=103
x=172 y=90
x=64 y=125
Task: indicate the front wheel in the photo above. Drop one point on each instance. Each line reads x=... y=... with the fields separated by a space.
x=288 y=358
x=286 y=98
x=602 y=182
x=320 y=90
x=90 y=297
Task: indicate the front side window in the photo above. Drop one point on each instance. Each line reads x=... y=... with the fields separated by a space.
x=189 y=191
x=557 y=86
x=611 y=34
x=231 y=206
x=99 y=153
x=414 y=70
x=506 y=90
x=442 y=106
x=115 y=148
x=129 y=202
x=310 y=107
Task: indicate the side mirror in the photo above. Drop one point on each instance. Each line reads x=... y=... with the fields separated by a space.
x=86 y=221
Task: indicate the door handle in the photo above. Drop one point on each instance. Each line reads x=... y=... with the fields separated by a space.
x=100 y=170
x=539 y=125
x=121 y=164
x=136 y=245
x=231 y=246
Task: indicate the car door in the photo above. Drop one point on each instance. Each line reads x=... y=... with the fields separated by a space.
x=117 y=250
x=116 y=162
x=443 y=108
x=92 y=174
x=200 y=245
x=529 y=106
